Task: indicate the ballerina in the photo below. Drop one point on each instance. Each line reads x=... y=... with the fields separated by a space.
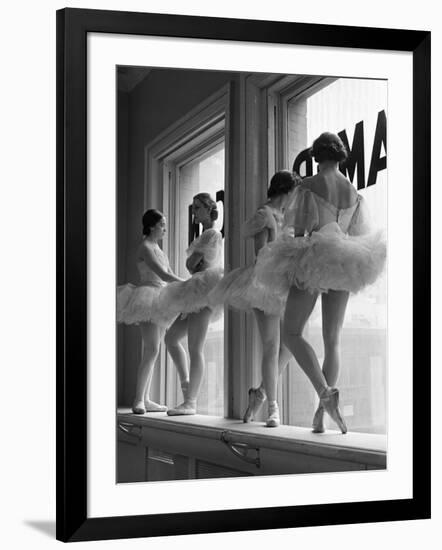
x=240 y=290
x=139 y=305
x=328 y=248
x=189 y=301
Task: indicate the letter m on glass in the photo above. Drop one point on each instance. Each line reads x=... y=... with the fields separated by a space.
x=355 y=162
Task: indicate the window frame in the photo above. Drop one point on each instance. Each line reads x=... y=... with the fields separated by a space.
x=283 y=91
x=190 y=151
x=186 y=139
x=264 y=99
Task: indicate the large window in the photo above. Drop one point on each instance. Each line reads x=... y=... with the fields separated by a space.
x=356 y=110
x=201 y=171
x=282 y=116
x=204 y=174
x=188 y=158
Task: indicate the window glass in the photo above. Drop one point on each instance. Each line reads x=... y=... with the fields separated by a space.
x=203 y=174
x=356 y=110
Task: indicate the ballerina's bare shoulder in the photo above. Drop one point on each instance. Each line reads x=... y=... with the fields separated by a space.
x=332 y=187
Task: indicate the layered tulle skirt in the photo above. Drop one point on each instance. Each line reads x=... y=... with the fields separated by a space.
x=241 y=290
x=328 y=259
x=192 y=295
x=141 y=304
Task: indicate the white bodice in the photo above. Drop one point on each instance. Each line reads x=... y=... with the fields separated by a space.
x=312 y=212
x=147 y=276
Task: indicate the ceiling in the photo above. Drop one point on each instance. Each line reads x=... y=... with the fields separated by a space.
x=129 y=77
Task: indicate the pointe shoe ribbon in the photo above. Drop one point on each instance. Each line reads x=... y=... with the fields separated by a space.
x=273 y=418
x=256 y=398
x=185 y=389
x=318 y=421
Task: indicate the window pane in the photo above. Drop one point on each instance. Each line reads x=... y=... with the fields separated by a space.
x=359 y=108
x=204 y=174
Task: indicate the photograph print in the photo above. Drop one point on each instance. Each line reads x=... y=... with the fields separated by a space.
x=251 y=299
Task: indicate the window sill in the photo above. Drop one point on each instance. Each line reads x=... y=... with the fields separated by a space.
x=352 y=451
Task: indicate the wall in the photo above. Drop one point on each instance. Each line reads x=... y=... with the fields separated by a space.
x=121 y=230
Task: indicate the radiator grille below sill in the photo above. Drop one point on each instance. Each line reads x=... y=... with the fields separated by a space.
x=207 y=470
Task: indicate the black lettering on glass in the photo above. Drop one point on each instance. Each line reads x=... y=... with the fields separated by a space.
x=355 y=156
x=304 y=156
x=378 y=163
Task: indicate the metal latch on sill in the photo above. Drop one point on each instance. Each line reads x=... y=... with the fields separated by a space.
x=130 y=429
x=242 y=450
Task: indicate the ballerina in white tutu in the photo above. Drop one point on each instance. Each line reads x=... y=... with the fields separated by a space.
x=240 y=290
x=328 y=247
x=140 y=305
x=189 y=300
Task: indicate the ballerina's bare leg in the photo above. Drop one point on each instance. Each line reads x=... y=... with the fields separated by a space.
x=197 y=325
x=334 y=305
x=150 y=405
x=284 y=355
x=299 y=307
x=151 y=336
x=270 y=328
x=300 y=304
x=174 y=335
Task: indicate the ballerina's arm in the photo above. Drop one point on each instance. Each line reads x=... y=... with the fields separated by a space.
x=152 y=262
x=193 y=261
x=258 y=227
x=204 y=249
x=361 y=223
x=260 y=240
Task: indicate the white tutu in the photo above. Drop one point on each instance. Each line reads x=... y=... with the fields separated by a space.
x=139 y=304
x=241 y=290
x=328 y=259
x=192 y=295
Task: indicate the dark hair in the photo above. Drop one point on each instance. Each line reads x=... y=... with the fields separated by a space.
x=328 y=146
x=282 y=183
x=208 y=202
x=150 y=219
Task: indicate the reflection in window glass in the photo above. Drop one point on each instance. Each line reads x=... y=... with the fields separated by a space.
x=342 y=105
x=204 y=174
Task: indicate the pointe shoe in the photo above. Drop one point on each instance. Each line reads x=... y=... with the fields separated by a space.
x=257 y=397
x=138 y=407
x=186 y=408
x=330 y=402
x=318 y=421
x=273 y=418
x=152 y=407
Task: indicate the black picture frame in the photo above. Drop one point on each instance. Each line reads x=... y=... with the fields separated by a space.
x=73 y=25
